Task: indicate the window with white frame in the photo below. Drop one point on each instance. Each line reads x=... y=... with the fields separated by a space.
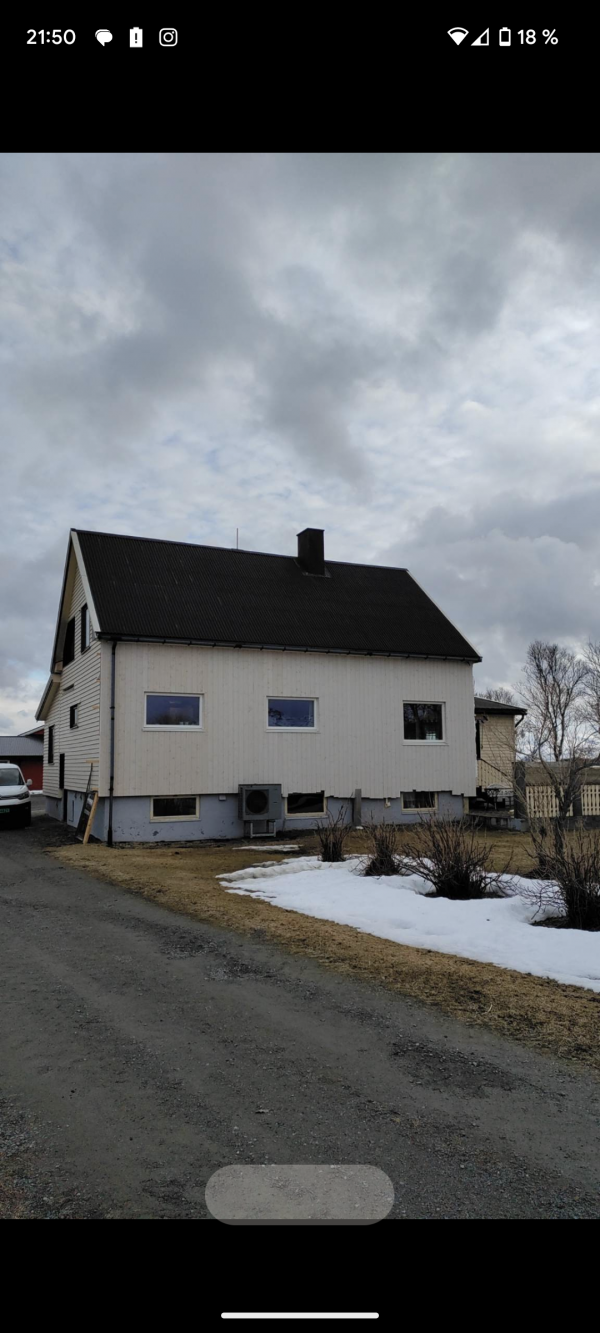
x=419 y=800
x=292 y=714
x=423 y=722
x=74 y=716
x=306 y=803
x=170 y=711
x=175 y=807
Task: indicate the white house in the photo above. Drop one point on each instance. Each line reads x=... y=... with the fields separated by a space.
x=207 y=689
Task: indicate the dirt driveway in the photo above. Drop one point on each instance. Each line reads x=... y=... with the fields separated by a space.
x=140 y=1050
x=556 y=1019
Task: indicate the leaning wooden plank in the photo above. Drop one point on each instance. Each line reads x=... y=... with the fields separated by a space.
x=91 y=819
x=81 y=822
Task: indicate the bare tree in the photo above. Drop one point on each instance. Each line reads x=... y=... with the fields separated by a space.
x=560 y=730
x=591 y=689
x=499 y=694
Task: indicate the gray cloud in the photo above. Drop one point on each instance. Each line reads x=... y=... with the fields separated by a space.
x=399 y=347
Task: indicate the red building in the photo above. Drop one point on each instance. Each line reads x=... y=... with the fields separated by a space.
x=26 y=750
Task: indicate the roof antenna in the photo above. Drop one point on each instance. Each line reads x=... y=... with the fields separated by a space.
x=237 y=539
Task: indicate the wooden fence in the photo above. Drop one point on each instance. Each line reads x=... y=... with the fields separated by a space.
x=542 y=802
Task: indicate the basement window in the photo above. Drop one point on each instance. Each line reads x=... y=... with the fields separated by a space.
x=423 y=722
x=69 y=648
x=174 y=807
x=74 y=716
x=172 y=711
x=292 y=714
x=419 y=800
x=301 y=803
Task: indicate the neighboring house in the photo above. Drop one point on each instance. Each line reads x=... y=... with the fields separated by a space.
x=208 y=690
x=495 y=742
x=26 y=750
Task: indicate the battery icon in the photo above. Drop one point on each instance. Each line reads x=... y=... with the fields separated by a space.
x=505 y=36
x=136 y=37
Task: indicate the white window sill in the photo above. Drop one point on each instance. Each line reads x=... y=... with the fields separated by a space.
x=175 y=819
x=303 y=731
x=424 y=742
x=150 y=728
x=311 y=814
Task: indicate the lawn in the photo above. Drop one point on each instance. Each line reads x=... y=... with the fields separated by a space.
x=557 y=1019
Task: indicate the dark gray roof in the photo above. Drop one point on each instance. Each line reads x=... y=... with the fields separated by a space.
x=536 y=774
x=20 y=747
x=492 y=706
x=149 y=589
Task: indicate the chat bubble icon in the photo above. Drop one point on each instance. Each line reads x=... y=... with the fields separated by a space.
x=103 y=36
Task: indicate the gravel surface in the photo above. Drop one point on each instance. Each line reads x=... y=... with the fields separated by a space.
x=140 y=1051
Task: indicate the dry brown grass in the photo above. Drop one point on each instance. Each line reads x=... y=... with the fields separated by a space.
x=558 y=1020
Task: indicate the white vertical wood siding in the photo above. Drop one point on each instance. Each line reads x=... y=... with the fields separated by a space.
x=359 y=742
x=79 y=745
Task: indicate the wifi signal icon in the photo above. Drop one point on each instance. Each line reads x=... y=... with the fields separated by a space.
x=458 y=34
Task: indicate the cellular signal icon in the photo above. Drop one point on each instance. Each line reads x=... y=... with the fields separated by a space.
x=458 y=34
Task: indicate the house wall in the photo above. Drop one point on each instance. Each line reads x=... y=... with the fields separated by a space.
x=359 y=741
x=497 y=742
x=79 y=684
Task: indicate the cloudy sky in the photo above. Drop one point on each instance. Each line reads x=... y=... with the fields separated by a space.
x=401 y=349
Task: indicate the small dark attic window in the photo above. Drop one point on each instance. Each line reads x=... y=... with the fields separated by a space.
x=69 y=648
x=85 y=629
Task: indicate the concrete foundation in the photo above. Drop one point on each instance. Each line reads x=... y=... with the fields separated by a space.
x=219 y=817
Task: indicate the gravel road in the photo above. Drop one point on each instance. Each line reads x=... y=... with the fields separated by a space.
x=140 y=1051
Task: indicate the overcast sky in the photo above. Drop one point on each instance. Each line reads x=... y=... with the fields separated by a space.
x=401 y=349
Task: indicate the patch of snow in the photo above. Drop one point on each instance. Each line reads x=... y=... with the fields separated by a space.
x=299 y=864
x=491 y=930
x=268 y=847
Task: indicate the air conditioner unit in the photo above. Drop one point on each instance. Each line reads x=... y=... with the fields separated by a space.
x=260 y=801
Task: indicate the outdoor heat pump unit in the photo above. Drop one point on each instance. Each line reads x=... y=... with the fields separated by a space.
x=260 y=802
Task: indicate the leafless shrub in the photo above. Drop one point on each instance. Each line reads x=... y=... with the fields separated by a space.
x=383 y=856
x=451 y=856
x=333 y=835
x=569 y=868
x=544 y=834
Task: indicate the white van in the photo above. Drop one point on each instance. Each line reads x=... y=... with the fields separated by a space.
x=15 y=796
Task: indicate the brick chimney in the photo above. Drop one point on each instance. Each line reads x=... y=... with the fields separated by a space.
x=311 y=550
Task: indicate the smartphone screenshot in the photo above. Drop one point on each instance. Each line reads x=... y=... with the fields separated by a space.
x=299 y=641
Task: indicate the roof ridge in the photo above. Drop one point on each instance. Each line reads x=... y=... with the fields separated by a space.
x=237 y=550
